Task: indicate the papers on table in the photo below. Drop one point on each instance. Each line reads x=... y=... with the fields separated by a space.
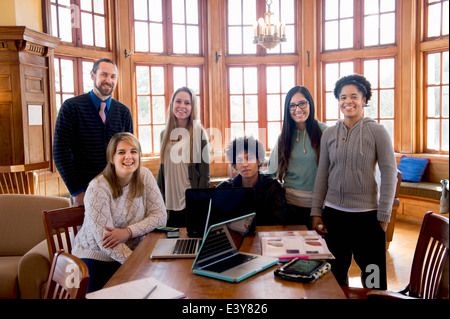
x=290 y=244
x=137 y=289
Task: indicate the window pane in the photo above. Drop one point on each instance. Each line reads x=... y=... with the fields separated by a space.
x=87 y=81
x=193 y=43
x=57 y=74
x=287 y=78
x=65 y=25
x=157 y=80
x=370 y=7
x=236 y=85
x=156 y=137
x=86 y=5
x=372 y=109
x=141 y=36
x=236 y=130
x=140 y=9
x=143 y=104
x=445 y=138
x=178 y=11
x=387 y=103
x=251 y=81
x=445 y=75
x=251 y=129
x=100 y=38
x=193 y=76
x=434 y=20
x=273 y=79
x=236 y=109
x=249 y=9
x=331 y=35
x=142 y=80
x=434 y=68
x=387 y=28
x=387 y=70
x=67 y=76
x=331 y=9
x=346 y=9
x=433 y=134
x=192 y=11
x=371 y=30
x=371 y=72
x=445 y=23
x=346 y=68
x=87 y=30
x=332 y=75
x=99 y=6
x=251 y=108
x=234 y=12
x=273 y=131
x=179 y=77
x=249 y=46
x=445 y=101
x=387 y=5
x=156 y=10
x=346 y=33
x=273 y=108
x=145 y=139
x=179 y=39
x=156 y=37
x=235 y=40
x=158 y=106
x=434 y=98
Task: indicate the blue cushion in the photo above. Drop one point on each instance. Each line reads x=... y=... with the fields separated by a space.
x=412 y=168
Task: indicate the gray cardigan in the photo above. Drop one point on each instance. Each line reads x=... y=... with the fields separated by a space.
x=199 y=173
x=346 y=171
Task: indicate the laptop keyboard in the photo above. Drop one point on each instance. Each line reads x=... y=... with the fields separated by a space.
x=229 y=263
x=185 y=246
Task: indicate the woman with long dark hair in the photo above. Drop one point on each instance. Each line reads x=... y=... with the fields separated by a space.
x=295 y=157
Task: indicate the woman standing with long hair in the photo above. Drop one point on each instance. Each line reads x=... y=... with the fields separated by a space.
x=295 y=157
x=184 y=155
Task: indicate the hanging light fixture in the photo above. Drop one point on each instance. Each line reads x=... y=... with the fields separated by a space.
x=268 y=33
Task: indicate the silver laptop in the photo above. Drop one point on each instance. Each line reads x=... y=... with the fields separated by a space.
x=180 y=247
x=219 y=257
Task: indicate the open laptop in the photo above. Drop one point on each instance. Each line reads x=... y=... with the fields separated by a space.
x=180 y=247
x=219 y=257
x=205 y=207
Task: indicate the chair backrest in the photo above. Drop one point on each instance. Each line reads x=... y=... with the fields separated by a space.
x=61 y=226
x=430 y=258
x=68 y=278
x=23 y=179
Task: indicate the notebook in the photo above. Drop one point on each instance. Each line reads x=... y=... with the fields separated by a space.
x=205 y=207
x=219 y=257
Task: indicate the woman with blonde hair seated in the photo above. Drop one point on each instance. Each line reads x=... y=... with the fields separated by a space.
x=122 y=204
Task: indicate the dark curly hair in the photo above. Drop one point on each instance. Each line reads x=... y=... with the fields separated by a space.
x=249 y=145
x=357 y=80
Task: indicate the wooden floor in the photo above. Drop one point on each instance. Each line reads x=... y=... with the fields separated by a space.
x=399 y=257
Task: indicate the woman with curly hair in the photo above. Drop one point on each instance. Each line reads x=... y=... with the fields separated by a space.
x=346 y=207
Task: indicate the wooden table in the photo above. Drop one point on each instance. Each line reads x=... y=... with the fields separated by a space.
x=177 y=273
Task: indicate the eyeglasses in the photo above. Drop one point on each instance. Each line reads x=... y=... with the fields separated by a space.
x=302 y=105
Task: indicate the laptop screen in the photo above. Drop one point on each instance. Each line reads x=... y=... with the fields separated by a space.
x=226 y=204
x=224 y=238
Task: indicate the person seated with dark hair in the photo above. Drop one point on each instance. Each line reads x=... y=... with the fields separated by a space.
x=246 y=155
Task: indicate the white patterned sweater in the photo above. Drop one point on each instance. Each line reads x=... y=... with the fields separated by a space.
x=141 y=215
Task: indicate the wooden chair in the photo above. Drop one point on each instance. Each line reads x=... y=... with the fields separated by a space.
x=68 y=278
x=22 y=179
x=61 y=226
x=429 y=271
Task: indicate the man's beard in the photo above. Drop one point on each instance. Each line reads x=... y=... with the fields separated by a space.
x=104 y=90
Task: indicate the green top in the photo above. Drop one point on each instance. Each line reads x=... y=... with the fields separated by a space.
x=302 y=168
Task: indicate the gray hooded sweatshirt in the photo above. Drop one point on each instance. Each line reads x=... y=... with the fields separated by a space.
x=346 y=171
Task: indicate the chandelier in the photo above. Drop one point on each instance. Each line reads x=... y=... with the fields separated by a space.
x=268 y=33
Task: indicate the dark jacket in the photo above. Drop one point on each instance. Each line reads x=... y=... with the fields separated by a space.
x=270 y=199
